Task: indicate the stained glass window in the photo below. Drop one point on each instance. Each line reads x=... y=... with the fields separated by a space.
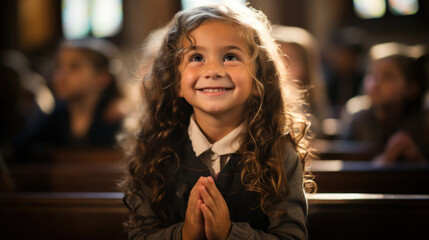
x=99 y=18
x=368 y=9
x=403 y=7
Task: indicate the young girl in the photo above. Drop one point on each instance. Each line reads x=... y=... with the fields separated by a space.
x=222 y=147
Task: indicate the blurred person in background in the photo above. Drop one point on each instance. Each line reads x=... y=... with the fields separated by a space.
x=422 y=72
x=23 y=94
x=89 y=107
x=343 y=66
x=395 y=120
x=303 y=56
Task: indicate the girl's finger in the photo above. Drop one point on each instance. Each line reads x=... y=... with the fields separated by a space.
x=194 y=196
x=197 y=209
x=209 y=218
x=213 y=190
x=207 y=199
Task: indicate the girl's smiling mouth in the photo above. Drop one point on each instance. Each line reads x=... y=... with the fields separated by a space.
x=213 y=90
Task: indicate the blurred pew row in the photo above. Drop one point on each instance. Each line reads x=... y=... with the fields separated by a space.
x=99 y=170
x=331 y=176
x=74 y=195
x=100 y=216
x=66 y=170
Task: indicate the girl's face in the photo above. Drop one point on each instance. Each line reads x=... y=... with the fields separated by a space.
x=74 y=76
x=385 y=84
x=215 y=73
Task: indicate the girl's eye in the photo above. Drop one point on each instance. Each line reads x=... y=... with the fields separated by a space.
x=196 y=58
x=230 y=57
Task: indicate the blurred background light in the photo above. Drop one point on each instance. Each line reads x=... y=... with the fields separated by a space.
x=75 y=18
x=368 y=9
x=186 y=4
x=106 y=17
x=98 y=18
x=404 y=7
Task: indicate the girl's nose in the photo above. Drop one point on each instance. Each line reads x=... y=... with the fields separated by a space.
x=214 y=70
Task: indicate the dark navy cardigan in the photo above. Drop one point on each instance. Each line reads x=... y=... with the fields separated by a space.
x=248 y=221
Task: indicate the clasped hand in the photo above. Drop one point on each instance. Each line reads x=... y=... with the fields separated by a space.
x=207 y=214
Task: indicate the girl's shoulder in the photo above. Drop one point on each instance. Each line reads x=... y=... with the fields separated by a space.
x=290 y=152
x=291 y=159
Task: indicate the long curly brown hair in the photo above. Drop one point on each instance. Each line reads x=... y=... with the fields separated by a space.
x=273 y=117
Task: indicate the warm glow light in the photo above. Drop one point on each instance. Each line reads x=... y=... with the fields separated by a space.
x=327 y=165
x=363 y=196
x=45 y=100
x=368 y=9
x=357 y=104
x=391 y=48
x=386 y=49
x=331 y=126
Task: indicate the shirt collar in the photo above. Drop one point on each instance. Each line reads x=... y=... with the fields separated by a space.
x=227 y=145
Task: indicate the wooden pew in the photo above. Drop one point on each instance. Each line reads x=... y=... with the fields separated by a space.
x=344 y=150
x=66 y=177
x=68 y=170
x=77 y=154
x=99 y=170
x=368 y=216
x=334 y=176
x=99 y=216
x=62 y=216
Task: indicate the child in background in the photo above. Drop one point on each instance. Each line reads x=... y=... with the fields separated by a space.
x=303 y=55
x=395 y=122
x=222 y=148
x=23 y=93
x=422 y=73
x=344 y=66
x=88 y=111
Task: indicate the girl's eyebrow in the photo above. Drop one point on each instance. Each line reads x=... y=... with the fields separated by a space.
x=234 y=48
x=200 y=48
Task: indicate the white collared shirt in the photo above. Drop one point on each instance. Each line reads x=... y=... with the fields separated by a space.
x=215 y=156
